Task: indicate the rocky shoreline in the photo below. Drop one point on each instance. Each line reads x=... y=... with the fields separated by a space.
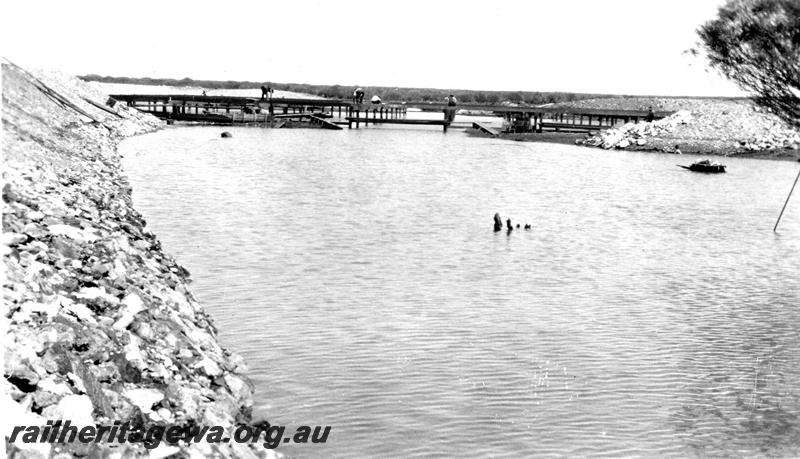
x=99 y=323
x=719 y=127
x=703 y=126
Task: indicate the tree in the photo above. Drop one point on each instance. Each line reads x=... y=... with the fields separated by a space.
x=393 y=95
x=465 y=97
x=517 y=97
x=756 y=43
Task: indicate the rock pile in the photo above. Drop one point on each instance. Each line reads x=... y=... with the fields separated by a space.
x=775 y=139
x=637 y=133
x=715 y=126
x=101 y=325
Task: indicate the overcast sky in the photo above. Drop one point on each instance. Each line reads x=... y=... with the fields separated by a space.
x=611 y=46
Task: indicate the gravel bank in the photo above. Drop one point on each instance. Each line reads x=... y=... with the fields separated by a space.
x=99 y=323
x=723 y=127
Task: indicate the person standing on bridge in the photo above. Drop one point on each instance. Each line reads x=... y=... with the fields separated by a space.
x=651 y=115
x=450 y=111
x=358 y=95
x=266 y=92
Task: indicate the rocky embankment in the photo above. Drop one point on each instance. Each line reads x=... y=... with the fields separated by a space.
x=100 y=324
x=727 y=127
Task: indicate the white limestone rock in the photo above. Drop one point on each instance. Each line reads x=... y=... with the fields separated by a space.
x=75 y=408
x=143 y=398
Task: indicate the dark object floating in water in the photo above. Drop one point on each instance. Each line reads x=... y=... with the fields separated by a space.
x=705 y=166
x=498 y=223
x=527 y=226
x=226 y=134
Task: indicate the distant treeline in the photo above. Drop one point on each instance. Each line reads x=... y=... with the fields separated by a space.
x=388 y=94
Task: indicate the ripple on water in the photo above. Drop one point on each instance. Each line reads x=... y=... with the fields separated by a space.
x=649 y=311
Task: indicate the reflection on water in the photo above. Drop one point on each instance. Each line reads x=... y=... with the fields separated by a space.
x=650 y=311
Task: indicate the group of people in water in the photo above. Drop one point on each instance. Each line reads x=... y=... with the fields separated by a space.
x=498 y=224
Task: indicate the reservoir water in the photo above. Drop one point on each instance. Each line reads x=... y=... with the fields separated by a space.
x=651 y=311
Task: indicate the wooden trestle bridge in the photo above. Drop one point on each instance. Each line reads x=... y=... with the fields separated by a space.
x=334 y=113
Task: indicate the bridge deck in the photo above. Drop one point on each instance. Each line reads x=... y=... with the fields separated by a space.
x=228 y=100
x=237 y=109
x=309 y=102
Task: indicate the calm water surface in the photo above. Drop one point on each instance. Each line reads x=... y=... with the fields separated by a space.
x=651 y=311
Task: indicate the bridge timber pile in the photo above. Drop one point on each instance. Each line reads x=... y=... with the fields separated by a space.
x=333 y=113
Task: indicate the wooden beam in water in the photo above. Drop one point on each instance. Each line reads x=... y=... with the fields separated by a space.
x=324 y=123
x=486 y=129
x=294 y=115
x=557 y=126
x=389 y=121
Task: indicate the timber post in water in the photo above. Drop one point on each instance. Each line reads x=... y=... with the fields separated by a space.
x=775 y=228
